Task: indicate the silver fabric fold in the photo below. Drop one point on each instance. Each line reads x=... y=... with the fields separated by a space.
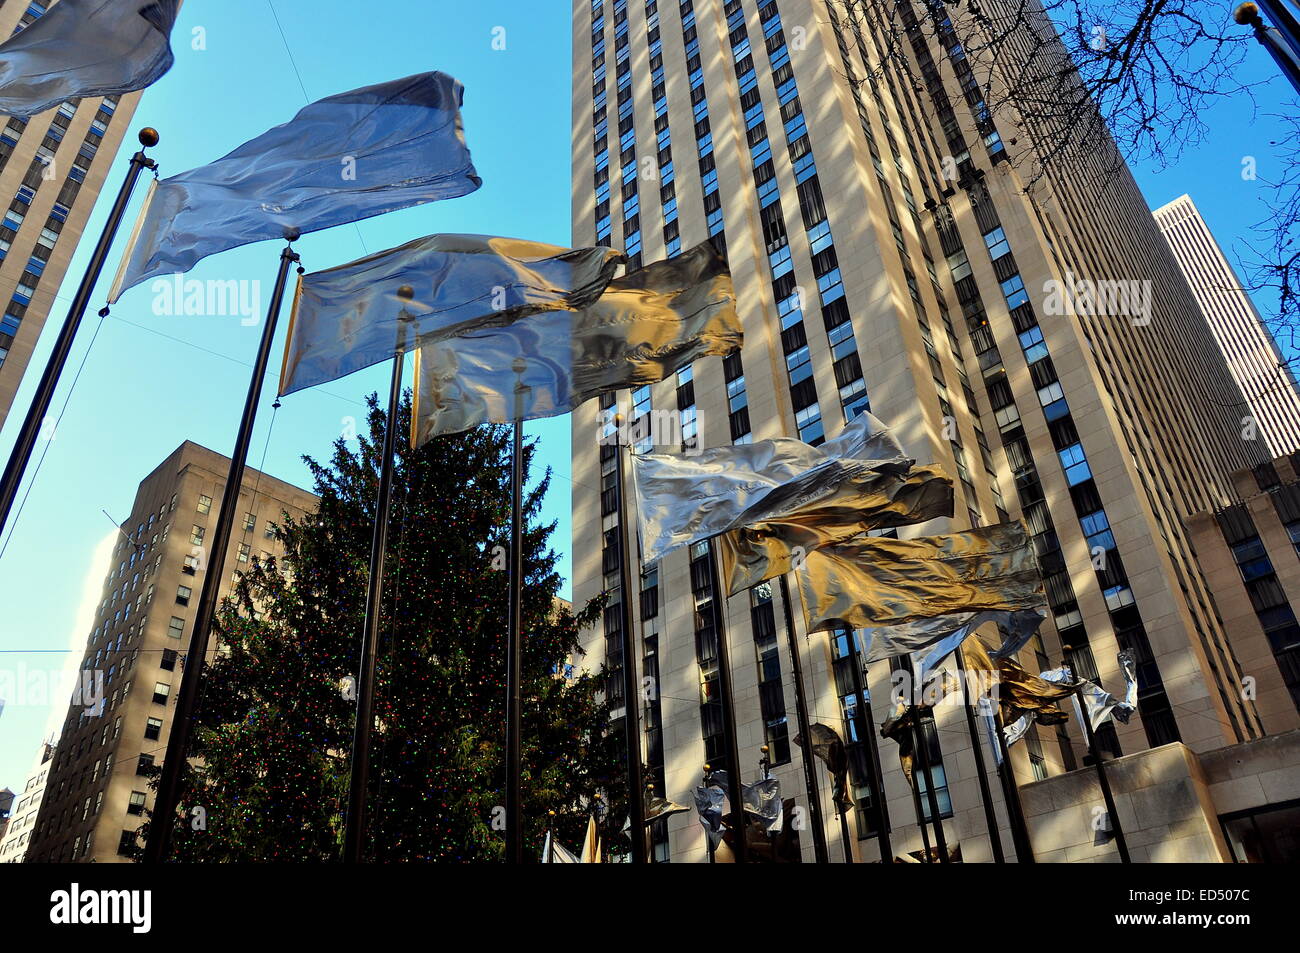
x=1101 y=704
x=859 y=500
x=349 y=317
x=1016 y=629
x=763 y=803
x=709 y=800
x=341 y=159
x=875 y=581
x=81 y=49
x=683 y=499
x=659 y=808
x=645 y=326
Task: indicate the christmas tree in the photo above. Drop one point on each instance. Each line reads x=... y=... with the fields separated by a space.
x=269 y=767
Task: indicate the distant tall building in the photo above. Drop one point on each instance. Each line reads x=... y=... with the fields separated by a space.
x=890 y=251
x=27 y=806
x=52 y=168
x=1252 y=355
x=95 y=797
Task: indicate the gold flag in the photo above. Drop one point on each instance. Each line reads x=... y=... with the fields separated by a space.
x=862 y=502
x=877 y=581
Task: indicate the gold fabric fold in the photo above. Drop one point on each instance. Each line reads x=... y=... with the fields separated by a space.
x=645 y=326
x=873 y=500
x=877 y=581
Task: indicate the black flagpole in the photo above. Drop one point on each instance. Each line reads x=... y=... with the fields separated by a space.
x=866 y=735
x=1120 y=843
x=359 y=783
x=921 y=744
x=514 y=638
x=631 y=697
x=735 y=792
x=916 y=806
x=40 y=406
x=805 y=729
x=986 y=798
x=1011 y=790
x=187 y=700
x=844 y=833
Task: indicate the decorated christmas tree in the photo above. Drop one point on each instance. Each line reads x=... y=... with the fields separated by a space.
x=269 y=768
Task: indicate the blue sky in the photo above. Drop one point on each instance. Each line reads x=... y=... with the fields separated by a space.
x=122 y=420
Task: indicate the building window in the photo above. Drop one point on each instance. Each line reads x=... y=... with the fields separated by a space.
x=136 y=803
x=175 y=627
x=160 y=692
x=168 y=660
x=196 y=535
x=153 y=729
x=126 y=845
x=205 y=504
x=144 y=764
x=250 y=522
x=183 y=594
x=244 y=551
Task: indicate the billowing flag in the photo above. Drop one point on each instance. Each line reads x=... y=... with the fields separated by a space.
x=688 y=498
x=554 y=853
x=874 y=581
x=1016 y=628
x=709 y=799
x=349 y=317
x=644 y=327
x=1101 y=704
x=826 y=745
x=861 y=501
x=899 y=728
x=763 y=803
x=339 y=160
x=1019 y=694
x=85 y=48
x=658 y=808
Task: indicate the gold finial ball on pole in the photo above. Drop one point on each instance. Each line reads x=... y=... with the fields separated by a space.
x=292 y=234
x=148 y=136
x=406 y=292
x=764 y=749
x=1246 y=15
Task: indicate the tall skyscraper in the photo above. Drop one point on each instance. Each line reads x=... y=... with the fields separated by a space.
x=1252 y=354
x=119 y=722
x=892 y=250
x=52 y=169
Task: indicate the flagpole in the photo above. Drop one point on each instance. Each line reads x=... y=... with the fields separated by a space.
x=34 y=422
x=631 y=706
x=1120 y=843
x=187 y=700
x=514 y=638
x=735 y=792
x=916 y=806
x=866 y=735
x=1011 y=790
x=844 y=833
x=805 y=729
x=920 y=742
x=986 y=798
x=359 y=783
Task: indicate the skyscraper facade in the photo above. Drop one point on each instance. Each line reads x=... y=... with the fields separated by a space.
x=1268 y=385
x=117 y=726
x=52 y=169
x=26 y=809
x=897 y=247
